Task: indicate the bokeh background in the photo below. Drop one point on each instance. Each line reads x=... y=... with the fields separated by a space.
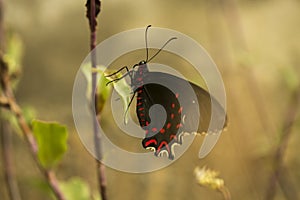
x=255 y=44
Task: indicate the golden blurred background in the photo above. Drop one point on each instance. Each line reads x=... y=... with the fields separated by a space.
x=256 y=46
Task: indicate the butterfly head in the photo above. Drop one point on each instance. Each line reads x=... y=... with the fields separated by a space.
x=140 y=71
x=142 y=67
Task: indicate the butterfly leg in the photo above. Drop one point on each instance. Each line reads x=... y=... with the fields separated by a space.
x=125 y=67
x=129 y=105
x=117 y=79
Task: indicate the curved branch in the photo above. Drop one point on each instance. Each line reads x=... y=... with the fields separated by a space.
x=26 y=130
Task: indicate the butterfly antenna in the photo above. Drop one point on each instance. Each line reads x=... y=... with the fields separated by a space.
x=146 y=40
x=173 y=38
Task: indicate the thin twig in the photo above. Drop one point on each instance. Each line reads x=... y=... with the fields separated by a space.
x=282 y=146
x=26 y=130
x=8 y=164
x=225 y=192
x=4 y=102
x=1 y=26
x=93 y=9
x=7 y=150
x=287 y=184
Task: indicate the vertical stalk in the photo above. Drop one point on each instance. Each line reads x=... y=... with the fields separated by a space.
x=92 y=13
x=6 y=146
x=282 y=146
x=1 y=26
x=7 y=150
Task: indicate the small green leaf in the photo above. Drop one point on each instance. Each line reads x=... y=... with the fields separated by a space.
x=14 y=52
x=51 y=139
x=13 y=58
x=75 y=189
x=124 y=90
x=28 y=113
x=104 y=91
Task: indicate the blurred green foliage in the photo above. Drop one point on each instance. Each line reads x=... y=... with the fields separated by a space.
x=51 y=139
x=291 y=78
x=13 y=57
x=77 y=189
x=103 y=90
x=29 y=114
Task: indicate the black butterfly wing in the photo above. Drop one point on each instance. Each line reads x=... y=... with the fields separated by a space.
x=160 y=128
x=212 y=120
x=207 y=105
x=188 y=108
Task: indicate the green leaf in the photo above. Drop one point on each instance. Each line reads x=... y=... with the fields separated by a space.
x=51 y=139
x=103 y=90
x=28 y=113
x=14 y=52
x=13 y=58
x=75 y=189
x=124 y=90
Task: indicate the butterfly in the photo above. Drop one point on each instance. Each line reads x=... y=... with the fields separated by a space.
x=188 y=107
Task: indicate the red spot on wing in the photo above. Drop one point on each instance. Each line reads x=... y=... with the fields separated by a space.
x=168 y=125
x=151 y=142
x=173 y=105
x=154 y=129
x=177 y=95
x=147 y=123
x=172 y=116
x=173 y=137
x=139 y=103
x=140 y=109
x=162 y=130
x=139 y=98
x=180 y=110
x=178 y=125
x=163 y=143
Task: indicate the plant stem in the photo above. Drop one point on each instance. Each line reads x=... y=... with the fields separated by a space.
x=97 y=138
x=225 y=192
x=8 y=101
x=1 y=26
x=26 y=130
x=8 y=164
x=282 y=146
x=287 y=184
